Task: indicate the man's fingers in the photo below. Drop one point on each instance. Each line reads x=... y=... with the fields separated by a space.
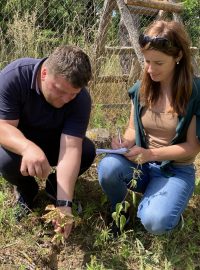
x=23 y=169
x=38 y=171
x=24 y=172
x=46 y=169
x=67 y=230
x=58 y=230
x=64 y=230
x=32 y=171
x=42 y=171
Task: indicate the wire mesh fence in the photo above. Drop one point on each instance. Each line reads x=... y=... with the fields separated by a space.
x=33 y=28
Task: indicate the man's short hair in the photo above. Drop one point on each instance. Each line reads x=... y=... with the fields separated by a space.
x=71 y=63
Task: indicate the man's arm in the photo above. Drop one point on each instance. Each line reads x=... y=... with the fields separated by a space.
x=34 y=161
x=68 y=166
x=11 y=137
x=67 y=172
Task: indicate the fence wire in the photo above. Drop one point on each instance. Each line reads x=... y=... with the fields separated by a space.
x=33 y=28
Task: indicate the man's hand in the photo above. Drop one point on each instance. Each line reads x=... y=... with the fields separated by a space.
x=34 y=162
x=67 y=227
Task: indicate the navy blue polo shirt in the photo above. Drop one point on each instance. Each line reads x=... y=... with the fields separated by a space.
x=39 y=121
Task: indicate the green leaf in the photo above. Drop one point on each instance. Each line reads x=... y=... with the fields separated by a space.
x=119 y=208
x=114 y=216
x=122 y=222
x=126 y=206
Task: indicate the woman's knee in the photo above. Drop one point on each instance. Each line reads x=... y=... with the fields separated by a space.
x=157 y=223
x=108 y=170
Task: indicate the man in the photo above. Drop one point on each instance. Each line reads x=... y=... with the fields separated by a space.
x=44 y=114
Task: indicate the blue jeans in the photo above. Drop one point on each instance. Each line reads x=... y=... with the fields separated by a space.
x=164 y=198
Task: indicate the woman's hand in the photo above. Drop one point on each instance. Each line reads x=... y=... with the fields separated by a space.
x=138 y=154
x=116 y=144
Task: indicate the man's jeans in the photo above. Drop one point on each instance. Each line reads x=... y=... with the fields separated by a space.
x=164 y=198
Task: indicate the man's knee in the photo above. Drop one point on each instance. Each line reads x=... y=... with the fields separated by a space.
x=10 y=162
x=89 y=151
x=88 y=155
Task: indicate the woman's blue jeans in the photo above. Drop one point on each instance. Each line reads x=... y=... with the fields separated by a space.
x=164 y=198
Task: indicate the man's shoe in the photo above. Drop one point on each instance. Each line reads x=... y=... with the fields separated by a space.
x=22 y=208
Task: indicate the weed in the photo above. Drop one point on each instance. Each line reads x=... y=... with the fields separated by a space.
x=102 y=238
x=94 y=264
x=121 y=215
x=64 y=219
x=118 y=216
x=98 y=118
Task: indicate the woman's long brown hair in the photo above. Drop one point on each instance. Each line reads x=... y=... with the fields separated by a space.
x=182 y=80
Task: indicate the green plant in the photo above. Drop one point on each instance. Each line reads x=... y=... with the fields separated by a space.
x=89 y=210
x=191 y=17
x=98 y=119
x=102 y=238
x=122 y=208
x=119 y=216
x=197 y=186
x=94 y=264
x=64 y=219
x=6 y=210
x=24 y=34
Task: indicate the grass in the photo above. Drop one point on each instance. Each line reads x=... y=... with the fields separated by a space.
x=27 y=245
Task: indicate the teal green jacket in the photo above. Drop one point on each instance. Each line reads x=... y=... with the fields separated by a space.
x=193 y=108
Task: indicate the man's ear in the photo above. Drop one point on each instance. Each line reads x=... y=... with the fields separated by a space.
x=43 y=73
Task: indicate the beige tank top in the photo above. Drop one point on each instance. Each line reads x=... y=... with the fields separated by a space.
x=160 y=129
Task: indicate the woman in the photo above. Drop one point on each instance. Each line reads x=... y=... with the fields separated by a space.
x=163 y=132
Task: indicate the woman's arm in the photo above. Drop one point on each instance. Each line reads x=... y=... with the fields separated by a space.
x=128 y=139
x=173 y=152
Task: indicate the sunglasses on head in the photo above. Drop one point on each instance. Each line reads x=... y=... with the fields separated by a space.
x=156 y=42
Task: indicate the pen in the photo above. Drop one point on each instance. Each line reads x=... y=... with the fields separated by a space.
x=119 y=136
